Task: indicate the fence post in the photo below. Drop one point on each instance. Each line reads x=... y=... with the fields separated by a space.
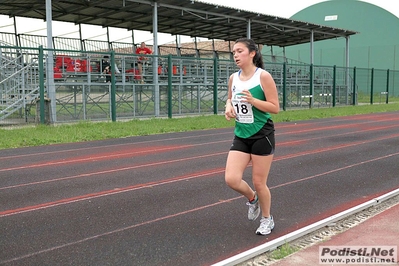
x=41 y=84
x=334 y=85
x=354 y=87
x=284 y=85
x=372 y=86
x=113 y=89
x=215 y=85
x=311 y=86
x=387 y=90
x=170 y=86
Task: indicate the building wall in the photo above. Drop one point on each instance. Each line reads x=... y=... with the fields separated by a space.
x=376 y=45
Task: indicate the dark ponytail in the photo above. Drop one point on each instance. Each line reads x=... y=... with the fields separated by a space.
x=251 y=45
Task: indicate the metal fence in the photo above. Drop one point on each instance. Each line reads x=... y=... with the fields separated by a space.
x=168 y=86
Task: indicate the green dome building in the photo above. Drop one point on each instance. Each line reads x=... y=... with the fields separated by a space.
x=373 y=53
x=375 y=46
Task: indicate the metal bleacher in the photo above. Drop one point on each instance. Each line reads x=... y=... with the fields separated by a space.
x=83 y=90
x=77 y=67
x=19 y=82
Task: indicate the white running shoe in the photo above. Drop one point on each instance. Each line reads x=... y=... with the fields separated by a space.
x=266 y=226
x=253 y=210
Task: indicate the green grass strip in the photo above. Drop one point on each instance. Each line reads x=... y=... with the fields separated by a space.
x=87 y=131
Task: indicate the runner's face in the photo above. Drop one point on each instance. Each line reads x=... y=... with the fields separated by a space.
x=241 y=54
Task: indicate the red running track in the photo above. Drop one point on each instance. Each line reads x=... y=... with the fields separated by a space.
x=162 y=200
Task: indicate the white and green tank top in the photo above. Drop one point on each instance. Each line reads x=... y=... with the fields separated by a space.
x=249 y=119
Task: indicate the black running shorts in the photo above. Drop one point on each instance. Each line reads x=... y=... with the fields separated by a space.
x=261 y=146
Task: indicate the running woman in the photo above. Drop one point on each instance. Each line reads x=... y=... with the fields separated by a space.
x=252 y=98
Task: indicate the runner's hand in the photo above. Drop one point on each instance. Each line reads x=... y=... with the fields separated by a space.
x=248 y=97
x=229 y=112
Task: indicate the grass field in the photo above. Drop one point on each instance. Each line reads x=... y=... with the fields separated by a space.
x=86 y=131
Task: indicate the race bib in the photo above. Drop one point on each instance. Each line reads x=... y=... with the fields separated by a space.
x=243 y=110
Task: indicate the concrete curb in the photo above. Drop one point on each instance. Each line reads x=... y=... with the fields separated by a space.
x=249 y=254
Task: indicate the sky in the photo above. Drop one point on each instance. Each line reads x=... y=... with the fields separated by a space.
x=280 y=8
x=287 y=8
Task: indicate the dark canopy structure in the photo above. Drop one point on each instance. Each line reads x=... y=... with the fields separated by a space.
x=178 y=17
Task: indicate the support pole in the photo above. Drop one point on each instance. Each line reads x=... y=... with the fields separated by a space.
x=155 y=60
x=311 y=48
x=249 y=29
x=347 y=67
x=50 y=63
x=372 y=87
